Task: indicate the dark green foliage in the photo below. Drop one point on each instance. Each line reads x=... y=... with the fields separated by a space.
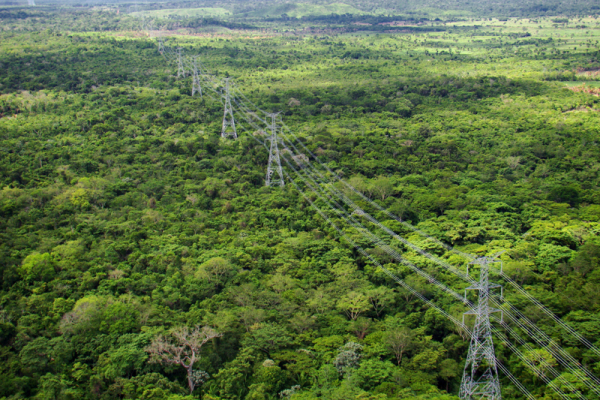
x=564 y=194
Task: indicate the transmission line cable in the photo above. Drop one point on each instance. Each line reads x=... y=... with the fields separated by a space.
x=466 y=277
x=541 y=359
x=379 y=207
x=532 y=366
x=439 y=261
x=514 y=380
x=331 y=223
x=379 y=244
x=562 y=356
x=364 y=253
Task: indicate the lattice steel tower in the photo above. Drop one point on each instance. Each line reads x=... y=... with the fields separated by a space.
x=274 y=156
x=228 y=120
x=180 y=69
x=196 y=88
x=161 y=46
x=480 y=378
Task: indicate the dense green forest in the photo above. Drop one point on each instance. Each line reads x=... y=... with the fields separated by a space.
x=128 y=225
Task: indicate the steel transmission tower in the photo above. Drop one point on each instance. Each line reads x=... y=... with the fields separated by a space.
x=180 y=69
x=228 y=120
x=161 y=46
x=480 y=377
x=196 y=88
x=274 y=156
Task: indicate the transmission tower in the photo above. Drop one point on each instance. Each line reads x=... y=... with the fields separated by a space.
x=196 y=88
x=161 y=46
x=180 y=69
x=274 y=156
x=480 y=377
x=228 y=120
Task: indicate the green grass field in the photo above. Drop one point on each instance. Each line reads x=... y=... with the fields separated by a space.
x=593 y=84
x=299 y=10
x=185 y=12
x=293 y=10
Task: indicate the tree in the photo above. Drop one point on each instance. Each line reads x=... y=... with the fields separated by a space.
x=269 y=378
x=564 y=194
x=373 y=372
x=250 y=316
x=216 y=270
x=358 y=182
x=380 y=297
x=550 y=255
x=360 y=327
x=383 y=187
x=326 y=346
x=319 y=301
x=399 y=341
x=587 y=259
x=38 y=267
x=302 y=321
x=348 y=357
x=56 y=387
x=184 y=351
x=541 y=359
x=268 y=337
x=36 y=354
x=113 y=197
x=232 y=379
x=449 y=369
x=280 y=283
x=354 y=304
x=571 y=385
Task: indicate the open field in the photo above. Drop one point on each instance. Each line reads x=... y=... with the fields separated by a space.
x=580 y=83
x=299 y=10
x=184 y=12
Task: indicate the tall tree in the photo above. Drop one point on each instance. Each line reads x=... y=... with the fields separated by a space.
x=183 y=349
x=399 y=341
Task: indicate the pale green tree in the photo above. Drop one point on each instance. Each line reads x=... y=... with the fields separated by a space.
x=354 y=304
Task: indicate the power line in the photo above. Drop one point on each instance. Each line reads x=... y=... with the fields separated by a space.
x=589 y=375
x=245 y=109
x=360 y=212
x=526 y=361
x=570 y=330
x=362 y=230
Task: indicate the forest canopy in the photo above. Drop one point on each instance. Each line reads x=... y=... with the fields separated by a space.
x=142 y=255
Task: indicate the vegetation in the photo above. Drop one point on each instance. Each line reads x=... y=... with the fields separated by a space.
x=143 y=257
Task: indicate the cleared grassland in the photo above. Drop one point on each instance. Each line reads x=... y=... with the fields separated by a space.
x=299 y=10
x=185 y=12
